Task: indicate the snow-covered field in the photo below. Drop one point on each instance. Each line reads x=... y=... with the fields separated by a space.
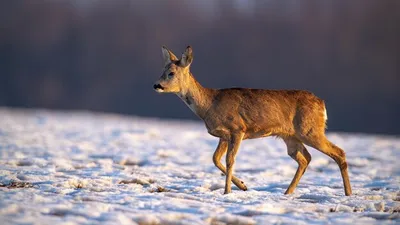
x=88 y=168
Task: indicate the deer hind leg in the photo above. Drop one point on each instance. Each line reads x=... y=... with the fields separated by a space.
x=299 y=153
x=219 y=152
x=321 y=143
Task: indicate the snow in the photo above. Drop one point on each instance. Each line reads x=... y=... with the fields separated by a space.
x=89 y=168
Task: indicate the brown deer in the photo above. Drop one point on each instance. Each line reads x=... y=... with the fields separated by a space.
x=236 y=114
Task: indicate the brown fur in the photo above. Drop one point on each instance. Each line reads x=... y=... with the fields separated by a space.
x=236 y=114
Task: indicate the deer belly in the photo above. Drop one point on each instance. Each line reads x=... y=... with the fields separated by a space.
x=221 y=133
x=251 y=134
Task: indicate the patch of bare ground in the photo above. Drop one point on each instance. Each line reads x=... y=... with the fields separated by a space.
x=159 y=189
x=17 y=184
x=142 y=182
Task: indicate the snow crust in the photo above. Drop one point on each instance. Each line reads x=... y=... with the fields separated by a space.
x=90 y=168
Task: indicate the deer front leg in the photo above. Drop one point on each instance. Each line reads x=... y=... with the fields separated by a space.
x=233 y=147
x=219 y=152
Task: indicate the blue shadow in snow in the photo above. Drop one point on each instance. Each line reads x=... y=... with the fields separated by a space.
x=273 y=188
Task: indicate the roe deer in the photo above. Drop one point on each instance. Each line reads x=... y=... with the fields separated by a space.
x=236 y=114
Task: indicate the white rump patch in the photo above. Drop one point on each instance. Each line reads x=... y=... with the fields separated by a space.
x=325 y=115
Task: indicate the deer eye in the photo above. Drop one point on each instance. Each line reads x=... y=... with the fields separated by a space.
x=171 y=74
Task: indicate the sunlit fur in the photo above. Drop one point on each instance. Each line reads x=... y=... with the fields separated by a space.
x=235 y=114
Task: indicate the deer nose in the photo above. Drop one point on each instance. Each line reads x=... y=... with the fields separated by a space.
x=158 y=86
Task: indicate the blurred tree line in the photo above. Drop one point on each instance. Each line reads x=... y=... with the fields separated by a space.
x=105 y=55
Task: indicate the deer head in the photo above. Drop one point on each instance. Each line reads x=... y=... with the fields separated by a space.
x=176 y=72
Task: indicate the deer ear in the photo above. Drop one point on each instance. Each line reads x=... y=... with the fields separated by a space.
x=168 y=55
x=187 y=57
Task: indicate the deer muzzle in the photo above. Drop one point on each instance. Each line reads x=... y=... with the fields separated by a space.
x=158 y=88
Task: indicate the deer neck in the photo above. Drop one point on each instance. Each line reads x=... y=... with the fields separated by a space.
x=198 y=98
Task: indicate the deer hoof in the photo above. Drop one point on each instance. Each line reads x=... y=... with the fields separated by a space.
x=243 y=186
